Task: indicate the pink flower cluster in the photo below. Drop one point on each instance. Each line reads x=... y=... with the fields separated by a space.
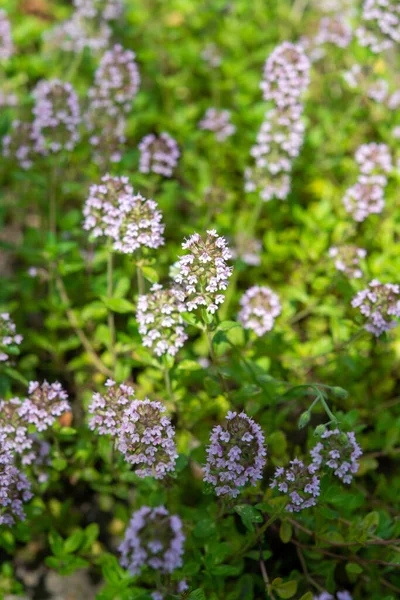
x=6 y=43
x=56 y=116
x=88 y=27
x=247 y=249
x=159 y=315
x=22 y=144
x=219 y=122
x=347 y=260
x=45 y=403
x=286 y=76
x=380 y=28
x=299 y=483
x=9 y=338
x=380 y=305
x=153 y=539
x=117 y=78
x=334 y=30
x=367 y=195
x=116 y=84
x=260 y=306
x=19 y=448
x=129 y=220
x=142 y=434
x=337 y=451
x=344 y=595
x=236 y=455
x=204 y=272
x=15 y=488
x=158 y=154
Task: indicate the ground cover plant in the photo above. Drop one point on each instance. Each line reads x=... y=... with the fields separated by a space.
x=199 y=259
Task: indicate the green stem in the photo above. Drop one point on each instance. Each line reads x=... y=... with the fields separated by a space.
x=53 y=201
x=167 y=380
x=140 y=280
x=111 y=322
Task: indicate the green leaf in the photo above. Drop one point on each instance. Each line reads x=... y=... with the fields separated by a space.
x=226 y=325
x=56 y=543
x=118 y=305
x=226 y=570
x=189 y=365
x=307 y=596
x=353 y=568
x=285 y=532
x=74 y=541
x=204 y=528
x=249 y=515
x=197 y=595
x=284 y=589
x=150 y=274
x=370 y=522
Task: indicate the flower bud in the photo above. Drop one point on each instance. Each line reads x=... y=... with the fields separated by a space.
x=304 y=419
x=339 y=392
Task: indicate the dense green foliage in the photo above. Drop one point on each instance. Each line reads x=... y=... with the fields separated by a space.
x=248 y=548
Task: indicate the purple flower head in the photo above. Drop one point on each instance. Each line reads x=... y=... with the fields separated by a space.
x=286 y=75
x=278 y=143
x=13 y=428
x=203 y=272
x=158 y=154
x=57 y=116
x=347 y=260
x=106 y=127
x=9 y=338
x=235 y=456
x=15 y=489
x=117 y=77
x=114 y=211
x=299 y=483
x=219 y=122
x=374 y=159
x=142 y=433
x=260 y=306
x=109 y=10
x=45 y=403
x=80 y=32
x=379 y=303
x=344 y=595
x=247 y=249
x=153 y=539
x=337 y=451
x=160 y=320
x=22 y=145
x=334 y=30
x=211 y=55
x=380 y=28
x=6 y=44
x=366 y=197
